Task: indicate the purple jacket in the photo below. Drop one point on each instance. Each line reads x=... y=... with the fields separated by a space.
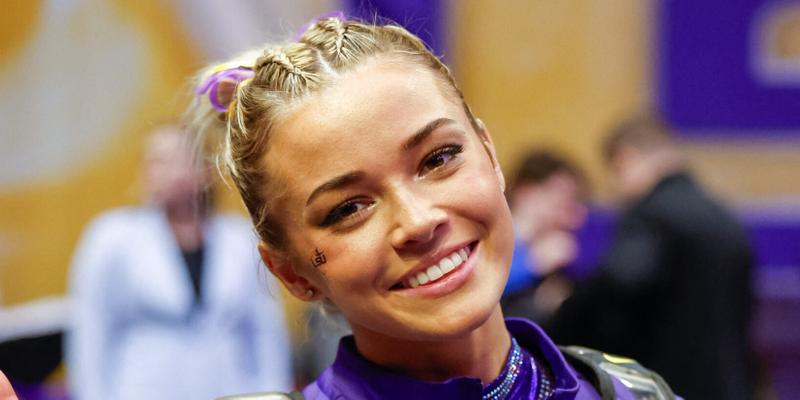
x=353 y=377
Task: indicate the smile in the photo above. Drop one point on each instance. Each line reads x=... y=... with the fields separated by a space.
x=446 y=265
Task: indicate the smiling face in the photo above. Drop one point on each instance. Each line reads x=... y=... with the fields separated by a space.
x=384 y=174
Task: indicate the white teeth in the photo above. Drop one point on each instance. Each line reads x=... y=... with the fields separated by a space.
x=447 y=265
x=434 y=273
x=456 y=259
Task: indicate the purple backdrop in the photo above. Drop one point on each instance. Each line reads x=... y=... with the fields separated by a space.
x=713 y=69
x=425 y=18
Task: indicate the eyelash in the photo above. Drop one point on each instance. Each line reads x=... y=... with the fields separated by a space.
x=451 y=150
x=341 y=212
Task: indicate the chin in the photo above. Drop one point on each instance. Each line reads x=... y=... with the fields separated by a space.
x=473 y=307
x=460 y=324
x=457 y=318
x=449 y=317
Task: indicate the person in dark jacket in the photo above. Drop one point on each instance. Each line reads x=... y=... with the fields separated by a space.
x=674 y=291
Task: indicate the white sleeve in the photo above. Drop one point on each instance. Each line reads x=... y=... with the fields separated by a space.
x=89 y=336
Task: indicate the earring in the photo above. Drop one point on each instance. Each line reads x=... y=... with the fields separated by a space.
x=309 y=294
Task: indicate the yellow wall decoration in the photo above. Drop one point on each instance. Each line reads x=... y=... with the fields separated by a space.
x=553 y=74
x=84 y=82
x=560 y=74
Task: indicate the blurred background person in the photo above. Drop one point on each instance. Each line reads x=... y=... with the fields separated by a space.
x=166 y=299
x=674 y=290
x=547 y=196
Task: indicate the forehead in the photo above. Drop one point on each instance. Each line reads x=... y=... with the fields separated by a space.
x=356 y=122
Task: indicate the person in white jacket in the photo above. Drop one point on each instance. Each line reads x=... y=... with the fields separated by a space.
x=170 y=301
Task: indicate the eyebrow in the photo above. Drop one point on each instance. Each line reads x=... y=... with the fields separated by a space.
x=336 y=183
x=426 y=131
x=355 y=176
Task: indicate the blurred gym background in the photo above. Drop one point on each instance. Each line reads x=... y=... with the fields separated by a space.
x=83 y=81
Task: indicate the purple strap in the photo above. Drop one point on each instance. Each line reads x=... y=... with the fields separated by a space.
x=211 y=84
x=237 y=74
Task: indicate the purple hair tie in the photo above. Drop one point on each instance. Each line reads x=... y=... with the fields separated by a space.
x=211 y=83
x=331 y=14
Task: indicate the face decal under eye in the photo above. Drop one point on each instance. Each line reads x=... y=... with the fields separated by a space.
x=349 y=209
x=439 y=158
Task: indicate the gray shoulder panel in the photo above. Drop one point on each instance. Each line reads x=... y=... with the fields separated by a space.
x=643 y=383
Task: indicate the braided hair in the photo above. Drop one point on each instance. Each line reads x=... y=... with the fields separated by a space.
x=283 y=75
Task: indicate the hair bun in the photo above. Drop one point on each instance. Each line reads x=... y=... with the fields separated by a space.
x=340 y=16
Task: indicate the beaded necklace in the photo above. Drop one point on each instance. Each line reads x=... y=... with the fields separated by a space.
x=510 y=373
x=544 y=387
x=514 y=366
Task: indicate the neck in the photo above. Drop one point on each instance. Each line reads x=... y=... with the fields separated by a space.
x=480 y=353
x=657 y=165
x=186 y=222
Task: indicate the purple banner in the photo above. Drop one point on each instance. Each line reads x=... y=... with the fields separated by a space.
x=730 y=66
x=425 y=18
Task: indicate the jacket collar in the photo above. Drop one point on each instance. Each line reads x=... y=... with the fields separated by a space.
x=353 y=376
x=532 y=338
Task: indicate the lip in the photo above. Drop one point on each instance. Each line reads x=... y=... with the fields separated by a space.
x=448 y=283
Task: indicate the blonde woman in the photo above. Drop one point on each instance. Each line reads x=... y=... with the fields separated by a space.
x=375 y=189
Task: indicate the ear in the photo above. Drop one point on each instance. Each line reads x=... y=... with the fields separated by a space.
x=488 y=145
x=281 y=266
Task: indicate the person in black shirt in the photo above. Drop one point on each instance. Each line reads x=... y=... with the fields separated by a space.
x=674 y=291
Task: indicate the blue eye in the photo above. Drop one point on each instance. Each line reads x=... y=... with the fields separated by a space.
x=440 y=157
x=348 y=209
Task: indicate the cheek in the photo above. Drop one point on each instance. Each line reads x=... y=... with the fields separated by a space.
x=352 y=277
x=478 y=198
x=302 y=252
x=483 y=196
x=352 y=264
x=478 y=189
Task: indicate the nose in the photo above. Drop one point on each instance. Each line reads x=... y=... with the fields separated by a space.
x=418 y=222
